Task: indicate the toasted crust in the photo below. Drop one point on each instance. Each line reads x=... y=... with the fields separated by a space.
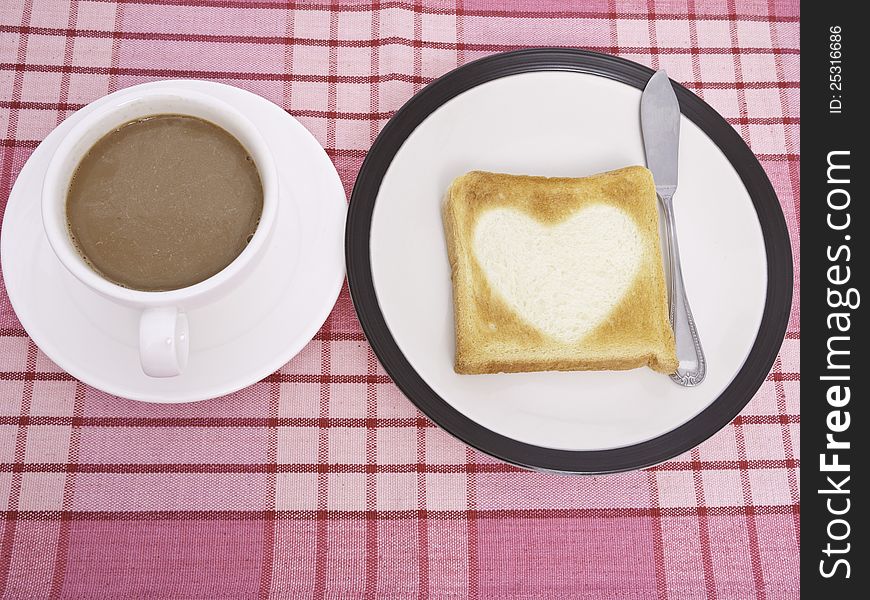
x=492 y=338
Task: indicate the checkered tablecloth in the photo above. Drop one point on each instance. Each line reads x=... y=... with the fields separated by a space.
x=322 y=480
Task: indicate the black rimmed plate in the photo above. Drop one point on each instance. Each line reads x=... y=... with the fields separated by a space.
x=561 y=112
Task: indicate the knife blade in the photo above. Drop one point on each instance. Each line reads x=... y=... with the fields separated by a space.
x=660 y=125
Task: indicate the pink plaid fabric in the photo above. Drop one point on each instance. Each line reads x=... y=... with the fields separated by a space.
x=323 y=481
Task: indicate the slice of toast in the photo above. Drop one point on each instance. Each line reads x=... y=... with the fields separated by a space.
x=557 y=273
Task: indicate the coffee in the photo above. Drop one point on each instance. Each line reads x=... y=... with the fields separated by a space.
x=164 y=202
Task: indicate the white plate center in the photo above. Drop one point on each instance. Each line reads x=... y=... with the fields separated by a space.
x=569 y=125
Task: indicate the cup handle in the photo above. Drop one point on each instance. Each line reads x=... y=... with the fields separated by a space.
x=163 y=341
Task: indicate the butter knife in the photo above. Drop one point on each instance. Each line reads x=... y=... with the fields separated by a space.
x=660 y=123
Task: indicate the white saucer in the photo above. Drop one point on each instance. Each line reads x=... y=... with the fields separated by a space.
x=236 y=340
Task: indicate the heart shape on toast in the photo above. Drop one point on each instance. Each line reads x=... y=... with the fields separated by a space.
x=563 y=279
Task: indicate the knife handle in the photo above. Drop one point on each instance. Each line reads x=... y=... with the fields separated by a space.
x=693 y=365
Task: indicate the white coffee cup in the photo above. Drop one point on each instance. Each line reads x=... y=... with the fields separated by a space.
x=164 y=340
